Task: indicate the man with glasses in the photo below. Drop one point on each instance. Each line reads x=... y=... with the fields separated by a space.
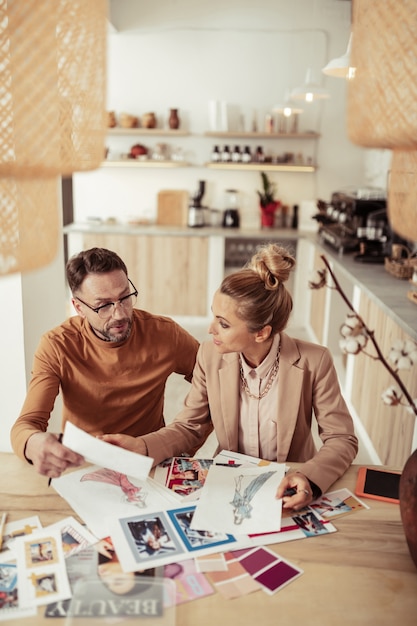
x=110 y=363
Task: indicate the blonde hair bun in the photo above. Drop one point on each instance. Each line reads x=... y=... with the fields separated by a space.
x=273 y=263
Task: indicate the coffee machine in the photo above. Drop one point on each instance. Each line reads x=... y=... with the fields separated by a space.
x=374 y=239
x=355 y=221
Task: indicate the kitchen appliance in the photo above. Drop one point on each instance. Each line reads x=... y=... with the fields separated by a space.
x=196 y=210
x=231 y=217
x=343 y=223
x=375 y=240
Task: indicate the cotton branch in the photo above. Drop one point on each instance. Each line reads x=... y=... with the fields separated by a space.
x=370 y=334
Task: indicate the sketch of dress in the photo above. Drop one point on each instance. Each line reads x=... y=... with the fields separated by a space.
x=133 y=494
x=241 y=504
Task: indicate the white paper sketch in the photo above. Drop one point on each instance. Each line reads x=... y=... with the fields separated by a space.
x=243 y=496
x=240 y=500
x=99 y=495
x=95 y=451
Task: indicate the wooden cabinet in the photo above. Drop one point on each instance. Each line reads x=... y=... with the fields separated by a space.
x=391 y=430
x=170 y=273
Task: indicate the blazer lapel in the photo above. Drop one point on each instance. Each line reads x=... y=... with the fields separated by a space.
x=229 y=380
x=290 y=381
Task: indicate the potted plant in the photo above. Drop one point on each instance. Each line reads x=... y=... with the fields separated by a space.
x=267 y=201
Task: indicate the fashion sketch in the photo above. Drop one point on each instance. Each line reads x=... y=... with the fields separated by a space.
x=241 y=503
x=132 y=493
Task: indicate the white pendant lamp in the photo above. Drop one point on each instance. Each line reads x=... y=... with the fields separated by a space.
x=288 y=108
x=310 y=91
x=340 y=67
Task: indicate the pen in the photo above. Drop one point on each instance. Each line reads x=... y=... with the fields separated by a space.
x=290 y=492
x=2 y=524
x=59 y=441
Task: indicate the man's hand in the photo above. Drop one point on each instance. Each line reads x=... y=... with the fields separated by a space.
x=134 y=444
x=49 y=456
x=299 y=492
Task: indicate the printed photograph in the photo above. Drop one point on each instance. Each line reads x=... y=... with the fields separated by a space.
x=43 y=551
x=150 y=537
x=195 y=539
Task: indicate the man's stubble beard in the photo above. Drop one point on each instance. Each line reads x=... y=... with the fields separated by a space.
x=107 y=336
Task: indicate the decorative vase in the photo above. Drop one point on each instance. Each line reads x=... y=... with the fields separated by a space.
x=173 y=120
x=268 y=214
x=408 y=504
x=148 y=120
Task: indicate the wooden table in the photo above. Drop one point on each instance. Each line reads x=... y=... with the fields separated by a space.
x=361 y=575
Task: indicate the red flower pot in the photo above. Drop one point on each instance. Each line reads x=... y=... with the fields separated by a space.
x=268 y=214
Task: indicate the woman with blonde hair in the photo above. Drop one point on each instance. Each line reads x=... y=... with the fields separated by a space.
x=259 y=388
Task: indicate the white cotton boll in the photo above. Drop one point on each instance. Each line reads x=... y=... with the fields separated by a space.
x=410 y=346
x=351 y=321
x=345 y=331
x=361 y=339
x=342 y=344
x=398 y=345
x=352 y=346
x=394 y=355
x=404 y=363
x=391 y=396
x=413 y=356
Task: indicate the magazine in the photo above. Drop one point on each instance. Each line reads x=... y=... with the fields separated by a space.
x=99 y=587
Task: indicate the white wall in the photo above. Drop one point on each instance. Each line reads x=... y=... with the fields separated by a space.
x=186 y=53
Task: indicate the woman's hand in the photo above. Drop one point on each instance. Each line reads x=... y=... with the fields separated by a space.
x=295 y=491
x=135 y=444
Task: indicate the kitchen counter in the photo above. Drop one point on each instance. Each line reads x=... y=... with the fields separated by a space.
x=180 y=231
x=388 y=292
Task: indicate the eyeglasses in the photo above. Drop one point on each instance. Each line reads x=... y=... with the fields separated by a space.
x=106 y=310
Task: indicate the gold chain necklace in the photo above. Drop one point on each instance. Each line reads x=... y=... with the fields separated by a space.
x=271 y=378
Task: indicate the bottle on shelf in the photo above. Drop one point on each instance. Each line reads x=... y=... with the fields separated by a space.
x=259 y=155
x=226 y=156
x=236 y=156
x=215 y=155
x=246 y=155
x=294 y=223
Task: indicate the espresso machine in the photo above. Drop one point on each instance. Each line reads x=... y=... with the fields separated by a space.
x=375 y=238
x=356 y=221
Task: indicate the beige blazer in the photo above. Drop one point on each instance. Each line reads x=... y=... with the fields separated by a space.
x=308 y=387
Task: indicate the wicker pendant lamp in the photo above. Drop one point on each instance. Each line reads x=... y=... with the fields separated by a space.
x=382 y=98
x=52 y=116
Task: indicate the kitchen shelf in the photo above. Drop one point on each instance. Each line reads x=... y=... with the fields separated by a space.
x=255 y=135
x=146 y=163
x=270 y=167
x=156 y=132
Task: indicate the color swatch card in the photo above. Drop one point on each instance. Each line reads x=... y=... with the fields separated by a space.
x=235 y=581
x=267 y=568
x=190 y=584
